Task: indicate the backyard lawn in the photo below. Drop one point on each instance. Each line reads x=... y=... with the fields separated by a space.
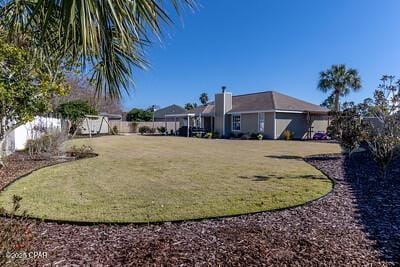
x=147 y=179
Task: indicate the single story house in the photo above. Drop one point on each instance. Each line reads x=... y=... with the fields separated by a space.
x=270 y=113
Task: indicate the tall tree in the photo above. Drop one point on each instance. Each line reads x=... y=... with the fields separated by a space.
x=25 y=91
x=107 y=37
x=340 y=81
x=203 y=98
x=190 y=106
x=80 y=88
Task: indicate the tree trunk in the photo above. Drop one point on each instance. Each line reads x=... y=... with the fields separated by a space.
x=336 y=102
x=2 y=164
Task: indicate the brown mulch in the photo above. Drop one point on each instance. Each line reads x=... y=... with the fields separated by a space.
x=357 y=224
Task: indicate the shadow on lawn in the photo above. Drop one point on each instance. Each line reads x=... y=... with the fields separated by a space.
x=377 y=202
x=261 y=178
x=284 y=157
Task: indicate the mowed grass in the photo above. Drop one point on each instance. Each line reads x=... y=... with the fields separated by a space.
x=149 y=179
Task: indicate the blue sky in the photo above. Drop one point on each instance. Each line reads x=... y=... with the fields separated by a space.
x=260 y=45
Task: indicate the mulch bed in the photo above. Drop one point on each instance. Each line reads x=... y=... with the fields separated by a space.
x=357 y=224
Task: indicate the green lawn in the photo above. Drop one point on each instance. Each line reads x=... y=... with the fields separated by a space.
x=141 y=179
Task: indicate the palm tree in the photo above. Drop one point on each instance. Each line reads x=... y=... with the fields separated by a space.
x=203 y=98
x=104 y=38
x=340 y=81
x=190 y=106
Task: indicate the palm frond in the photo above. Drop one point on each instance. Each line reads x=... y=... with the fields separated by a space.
x=108 y=36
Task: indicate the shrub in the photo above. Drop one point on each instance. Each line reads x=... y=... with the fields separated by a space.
x=208 y=135
x=233 y=135
x=137 y=114
x=253 y=136
x=216 y=135
x=144 y=129
x=162 y=129
x=260 y=136
x=152 y=130
x=245 y=137
x=47 y=143
x=114 y=130
x=288 y=135
x=81 y=152
x=171 y=132
x=15 y=235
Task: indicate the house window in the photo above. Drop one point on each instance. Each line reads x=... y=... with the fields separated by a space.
x=261 y=120
x=235 y=122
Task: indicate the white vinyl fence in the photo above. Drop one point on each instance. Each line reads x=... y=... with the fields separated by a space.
x=31 y=130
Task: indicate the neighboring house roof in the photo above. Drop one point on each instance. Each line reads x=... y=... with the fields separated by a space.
x=204 y=110
x=271 y=100
x=170 y=110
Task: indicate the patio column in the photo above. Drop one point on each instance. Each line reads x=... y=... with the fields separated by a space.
x=200 y=121
x=174 y=125
x=188 y=125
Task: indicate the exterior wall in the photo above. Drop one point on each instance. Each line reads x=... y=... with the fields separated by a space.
x=249 y=123
x=269 y=125
x=294 y=122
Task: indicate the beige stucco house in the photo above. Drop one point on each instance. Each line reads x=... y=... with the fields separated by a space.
x=270 y=113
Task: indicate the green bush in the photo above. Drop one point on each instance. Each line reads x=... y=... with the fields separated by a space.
x=75 y=111
x=144 y=129
x=162 y=130
x=81 y=152
x=253 y=136
x=137 y=114
x=216 y=135
x=260 y=136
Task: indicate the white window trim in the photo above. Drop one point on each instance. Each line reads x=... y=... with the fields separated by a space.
x=240 y=122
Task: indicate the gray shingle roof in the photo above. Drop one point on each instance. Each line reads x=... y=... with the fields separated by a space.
x=271 y=100
x=209 y=109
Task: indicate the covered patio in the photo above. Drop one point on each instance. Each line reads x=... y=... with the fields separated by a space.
x=192 y=120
